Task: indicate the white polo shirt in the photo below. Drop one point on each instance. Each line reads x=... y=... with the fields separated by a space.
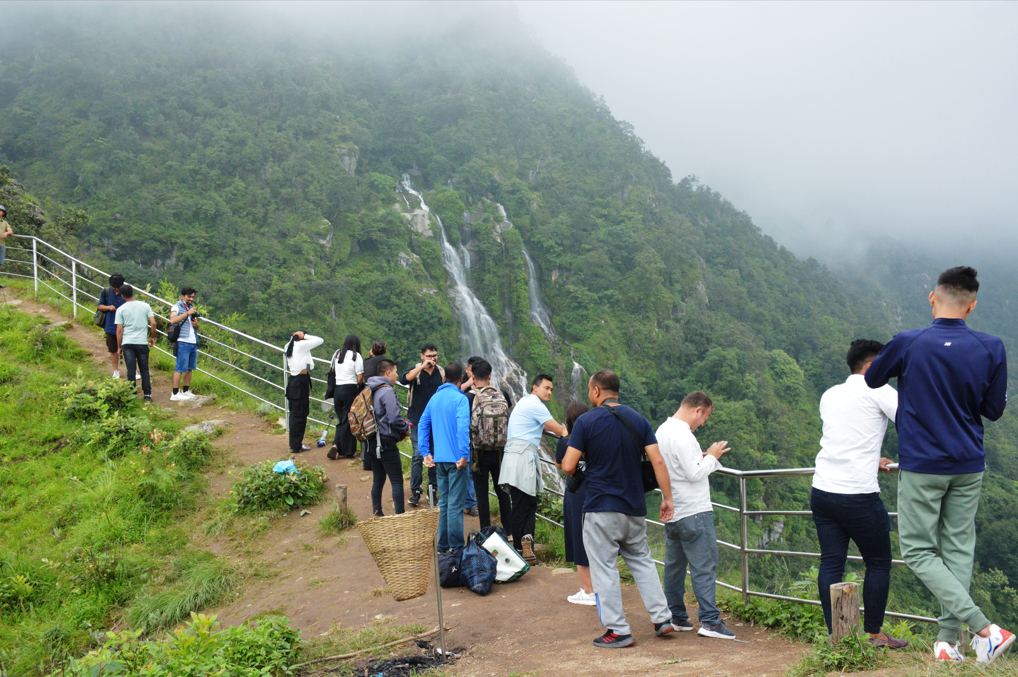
x=855 y=419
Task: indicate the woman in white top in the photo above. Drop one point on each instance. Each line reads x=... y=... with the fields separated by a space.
x=348 y=366
x=298 y=387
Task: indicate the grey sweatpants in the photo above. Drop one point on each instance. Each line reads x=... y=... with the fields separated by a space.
x=606 y=535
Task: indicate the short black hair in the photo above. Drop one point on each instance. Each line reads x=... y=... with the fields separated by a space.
x=607 y=380
x=696 y=399
x=539 y=379
x=127 y=291
x=385 y=366
x=473 y=359
x=116 y=280
x=428 y=346
x=960 y=280
x=862 y=351
x=187 y=291
x=481 y=369
x=453 y=373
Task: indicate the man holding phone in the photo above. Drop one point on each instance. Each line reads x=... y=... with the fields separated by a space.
x=186 y=315
x=424 y=380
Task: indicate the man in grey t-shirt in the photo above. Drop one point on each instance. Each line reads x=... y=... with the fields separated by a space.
x=136 y=333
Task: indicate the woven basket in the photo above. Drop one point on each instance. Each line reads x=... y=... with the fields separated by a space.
x=402 y=547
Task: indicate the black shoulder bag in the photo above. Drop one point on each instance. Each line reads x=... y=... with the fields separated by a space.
x=646 y=467
x=330 y=380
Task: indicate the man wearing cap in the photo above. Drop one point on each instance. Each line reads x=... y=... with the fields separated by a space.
x=5 y=230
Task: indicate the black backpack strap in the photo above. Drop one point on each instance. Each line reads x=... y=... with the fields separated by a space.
x=629 y=427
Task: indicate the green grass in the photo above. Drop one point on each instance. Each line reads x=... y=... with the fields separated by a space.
x=201 y=585
x=337 y=520
x=852 y=654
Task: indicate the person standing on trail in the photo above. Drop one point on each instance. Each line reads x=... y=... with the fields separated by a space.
x=348 y=367
x=109 y=300
x=845 y=499
x=375 y=356
x=521 y=469
x=136 y=333
x=299 y=364
x=423 y=382
x=467 y=386
x=5 y=232
x=489 y=418
x=690 y=539
x=572 y=516
x=949 y=379
x=392 y=427
x=185 y=315
x=445 y=429
x=613 y=439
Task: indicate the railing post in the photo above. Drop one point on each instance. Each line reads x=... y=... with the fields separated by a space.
x=35 y=265
x=74 y=289
x=286 y=403
x=744 y=545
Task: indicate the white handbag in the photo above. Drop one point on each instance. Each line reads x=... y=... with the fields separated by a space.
x=510 y=565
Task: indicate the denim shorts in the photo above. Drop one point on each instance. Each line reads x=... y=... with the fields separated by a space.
x=187 y=357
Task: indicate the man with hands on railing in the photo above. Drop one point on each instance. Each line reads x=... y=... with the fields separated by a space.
x=5 y=231
x=690 y=536
x=185 y=315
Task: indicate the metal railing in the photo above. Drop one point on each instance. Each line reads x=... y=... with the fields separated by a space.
x=42 y=262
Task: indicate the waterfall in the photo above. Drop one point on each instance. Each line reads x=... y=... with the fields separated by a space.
x=538 y=313
x=480 y=333
x=577 y=379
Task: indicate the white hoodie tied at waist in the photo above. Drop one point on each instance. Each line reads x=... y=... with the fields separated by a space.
x=520 y=467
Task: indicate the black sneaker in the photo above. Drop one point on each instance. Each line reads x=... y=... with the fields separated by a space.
x=715 y=630
x=148 y=399
x=333 y=453
x=415 y=498
x=663 y=628
x=610 y=640
x=682 y=626
x=471 y=511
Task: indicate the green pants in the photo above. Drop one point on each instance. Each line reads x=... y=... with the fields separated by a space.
x=937 y=530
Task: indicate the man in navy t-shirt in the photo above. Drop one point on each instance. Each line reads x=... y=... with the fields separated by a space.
x=612 y=439
x=949 y=379
x=109 y=300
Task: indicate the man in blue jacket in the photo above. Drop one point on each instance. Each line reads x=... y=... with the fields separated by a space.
x=949 y=378
x=445 y=428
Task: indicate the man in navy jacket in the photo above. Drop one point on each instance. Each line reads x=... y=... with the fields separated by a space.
x=949 y=379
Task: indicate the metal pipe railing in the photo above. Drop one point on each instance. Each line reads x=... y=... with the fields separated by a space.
x=741 y=475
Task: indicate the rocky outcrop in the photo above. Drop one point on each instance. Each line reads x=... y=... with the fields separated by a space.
x=420 y=223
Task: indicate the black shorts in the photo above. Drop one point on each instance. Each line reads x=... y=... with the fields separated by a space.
x=111 y=343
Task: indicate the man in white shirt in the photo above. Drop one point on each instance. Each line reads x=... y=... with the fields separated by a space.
x=690 y=538
x=846 y=495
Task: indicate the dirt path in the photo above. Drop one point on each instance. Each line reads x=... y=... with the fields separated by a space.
x=523 y=627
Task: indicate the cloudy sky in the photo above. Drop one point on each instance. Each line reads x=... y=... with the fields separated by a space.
x=824 y=121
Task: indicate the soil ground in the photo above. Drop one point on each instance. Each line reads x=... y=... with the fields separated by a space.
x=523 y=627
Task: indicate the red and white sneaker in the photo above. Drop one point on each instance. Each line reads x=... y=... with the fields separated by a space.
x=943 y=651
x=988 y=649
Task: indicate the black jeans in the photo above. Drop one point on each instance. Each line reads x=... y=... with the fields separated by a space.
x=137 y=356
x=489 y=463
x=345 y=442
x=524 y=515
x=298 y=394
x=863 y=519
x=387 y=466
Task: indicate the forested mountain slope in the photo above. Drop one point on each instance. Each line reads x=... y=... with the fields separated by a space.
x=256 y=157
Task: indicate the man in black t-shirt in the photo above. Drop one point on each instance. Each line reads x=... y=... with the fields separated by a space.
x=612 y=439
x=424 y=379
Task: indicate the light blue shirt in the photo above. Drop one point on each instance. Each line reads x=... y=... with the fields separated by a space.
x=526 y=422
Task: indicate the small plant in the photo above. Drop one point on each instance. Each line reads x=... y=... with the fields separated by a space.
x=92 y=400
x=797 y=621
x=15 y=590
x=852 y=654
x=260 y=488
x=117 y=435
x=89 y=567
x=10 y=374
x=204 y=584
x=338 y=520
x=191 y=450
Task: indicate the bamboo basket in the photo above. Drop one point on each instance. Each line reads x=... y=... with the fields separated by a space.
x=401 y=546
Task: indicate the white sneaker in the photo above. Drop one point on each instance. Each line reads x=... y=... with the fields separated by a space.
x=188 y=395
x=943 y=651
x=137 y=376
x=116 y=373
x=179 y=397
x=583 y=598
x=989 y=649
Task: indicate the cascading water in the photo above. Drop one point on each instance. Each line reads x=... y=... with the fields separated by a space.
x=538 y=313
x=480 y=333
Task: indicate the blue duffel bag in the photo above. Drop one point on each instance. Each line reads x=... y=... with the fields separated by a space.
x=477 y=566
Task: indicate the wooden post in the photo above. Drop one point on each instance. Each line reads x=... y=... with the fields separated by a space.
x=341 y=496
x=844 y=611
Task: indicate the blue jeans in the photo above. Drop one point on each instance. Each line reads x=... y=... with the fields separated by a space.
x=692 y=541
x=452 y=496
x=417 y=465
x=863 y=519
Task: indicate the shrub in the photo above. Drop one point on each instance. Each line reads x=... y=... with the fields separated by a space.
x=117 y=435
x=204 y=584
x=191 y=450
x=91 y=400
x=91 y=567
x=852 y=654
x=259 y=488
x=10 y=374
x=160 y=488
x=15 y=590
x=337 y=520
x=803 y=622
x=266 y=648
